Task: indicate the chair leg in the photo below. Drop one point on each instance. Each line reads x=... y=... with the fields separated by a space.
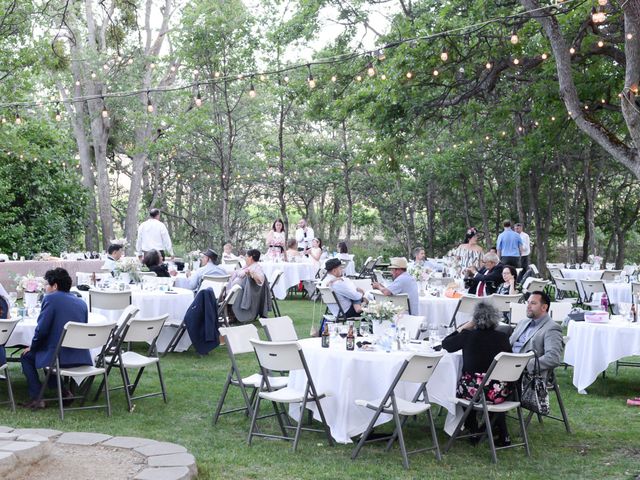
x=300 y=421
x=434 y=435
x=162 y=387
x=453 y=437
x=60 y=405
x=225 y=389
x=253 y=420
x=492 y=446
x=563 y=412
x=137 y=381
x=325 y=425
x=12 y=401
x=365 y=435
x=106 y=394
x=523 y=431
x=276 y=409
x=403 y=448
x=125 y=382
x=394 y=435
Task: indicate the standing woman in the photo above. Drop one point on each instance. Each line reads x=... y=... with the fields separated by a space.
x=315 y=252
x=469 y=251
x=276 y=239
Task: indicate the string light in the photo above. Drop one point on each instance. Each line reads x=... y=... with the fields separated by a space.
x=383 y=77
x=629 y=36
x=381 y=55
x=172 y=68
x=105 y=112
x=130 y=61
x=444 y=56
x=436 y=73
x=600 y=43
x=3 y=120
x=572 y=50
x=488 y=66
x=358 y=78
x=598 y=16
x=409 y=75
x=93 y=74
x=544 y=56
x=370 y=70
x=216 y=74
x=334 y=79
x=77 y=83
x=58 y=115
x=286 y=79
x=149 y=104
x=198 y=100
x=602 y=3
x=18 y=119
x=310 y=80
x=252 y=91
x=516 y=61
x=514 y=38
x=105 y=67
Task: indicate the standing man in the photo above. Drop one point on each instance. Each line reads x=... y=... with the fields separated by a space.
x=509 y=246
x=402 y=283
x=113 y=255
x=304 y=235
x=58 y=307
x=526 y=249
x=153 y=235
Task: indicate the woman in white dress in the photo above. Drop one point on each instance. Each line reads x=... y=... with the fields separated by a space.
x=276 y=240
x=469 y=252
x=315 y=251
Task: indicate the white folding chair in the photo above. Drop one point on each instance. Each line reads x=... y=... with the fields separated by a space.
x=559 y=311
x=555 y=272
x=329 y=297
x=535 y=284
x=237 y=340
x=277 y=276
x=279 y=329
x=506 y=367
x=635 y=291
x=518 y=313
x=215 y=282
x=412 y=323
x=229 y=299
x=401 y=300
x=106 y=300
x=6 y=329
x=363 y=283
x=285 y=357
x=566 y=288
x=466 y=305
x=503 y=302
x=610 y=275
x=138 y=330
x=81 y=336
x=589 y=287
x=417 y=368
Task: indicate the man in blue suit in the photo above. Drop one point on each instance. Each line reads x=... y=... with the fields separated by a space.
x=58 y=307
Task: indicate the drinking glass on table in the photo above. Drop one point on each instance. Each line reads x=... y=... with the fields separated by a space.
x=624 y=309
x=14 y=255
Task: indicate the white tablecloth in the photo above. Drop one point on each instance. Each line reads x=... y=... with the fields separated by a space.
x=293 y=273
x=437 y=310
x=26 y=328
x=592 y=347
x=367 y=375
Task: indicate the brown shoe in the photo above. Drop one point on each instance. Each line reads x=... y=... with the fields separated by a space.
x=34 y=404
x=67 y=398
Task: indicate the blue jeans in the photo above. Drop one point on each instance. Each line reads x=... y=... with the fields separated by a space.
x=28 y=362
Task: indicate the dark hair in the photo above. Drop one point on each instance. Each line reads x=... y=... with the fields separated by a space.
x=60 y=277
x=342 y=247
x=253 y=253
x=319 y=241
x=152 y=258
x=472 y=232
x=417 y=250
x=486 y=316
x=114 y=248
x=273 y=227
x=506 y=224
x=511 y=269
x=518 y=225
x=544 y=298
x=154 y=212
x=292 y=243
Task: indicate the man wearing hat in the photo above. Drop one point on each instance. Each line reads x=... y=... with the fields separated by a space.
x=348 y=295
x=402 y=283
x=208 y=261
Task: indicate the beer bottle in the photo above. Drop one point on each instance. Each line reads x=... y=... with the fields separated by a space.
x=350 y=338
x=325 y=336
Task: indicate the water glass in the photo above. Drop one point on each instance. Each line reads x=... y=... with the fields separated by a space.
x=14 y=255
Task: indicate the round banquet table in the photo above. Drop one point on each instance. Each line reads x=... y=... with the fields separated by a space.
x=349 y=376
x=437 y=310
x=293 y=273
x=592 y=347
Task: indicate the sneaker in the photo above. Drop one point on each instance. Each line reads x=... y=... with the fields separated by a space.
x=634 y=402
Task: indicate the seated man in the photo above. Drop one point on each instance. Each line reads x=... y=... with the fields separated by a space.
x=256 y=296
x=58 y=307
x=113 y=255
x=349 y=297
x=402 y=283
x=208 y=266
x=540 y=334
x=252 y=269
x=485 y=281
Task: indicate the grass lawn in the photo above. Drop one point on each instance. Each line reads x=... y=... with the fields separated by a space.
x=605 y=443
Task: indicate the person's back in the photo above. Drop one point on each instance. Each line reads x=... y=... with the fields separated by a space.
x=405 y=283
x=479 y=348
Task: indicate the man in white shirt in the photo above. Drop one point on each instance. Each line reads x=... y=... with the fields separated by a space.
x=350 y=297
x=113 y=255
x=304 y=235
x=526 y=249
x=153 y=235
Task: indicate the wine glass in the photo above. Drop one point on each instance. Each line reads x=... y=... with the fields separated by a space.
x=424 y=326
x=343 y=331
x=14 y=255
x=624 y=309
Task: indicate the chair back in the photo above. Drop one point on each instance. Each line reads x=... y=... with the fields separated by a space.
x=567 y=285
x=534 y=269
x=420 y=366
x=363 y=283
x=555 y=273
x=589 y=287
x=215 y=282
x=6 y=329
x=555 y=265
x=239 y=338
x=233 y=295
x=467 y=303
x=610 y=275
x=518 y=313
x=326 y=294
x=503 y=302
x=635 y=290
x=279 y=329
x=535 y=284
x=127 y=314
x=558 y=311
x=85 y=335
x=508 y=367
x=411 y=323
x=147 y=274
x=379 y=276
x=109 y=300
x=277 y=275
x=279 y=356
x=144 y=329
x=401 y=300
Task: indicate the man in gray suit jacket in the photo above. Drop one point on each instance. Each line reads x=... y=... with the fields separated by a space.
x=540 y=334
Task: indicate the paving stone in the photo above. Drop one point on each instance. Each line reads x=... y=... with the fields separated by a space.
x=44 y=432
x=5 y=436
x=128 y=442
x=173 y=460
x=32 y=437
x=27 y=452
x=168 y=473
x=82 y=438
x=4 y=429
x=7 y=463
x=160 y=448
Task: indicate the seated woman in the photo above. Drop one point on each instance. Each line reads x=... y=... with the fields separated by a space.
x=469 y=251
x=343 y=251
x=480 y=342
x=315 y=251
x=292 y=254
x=153 y=261
x=509 y=275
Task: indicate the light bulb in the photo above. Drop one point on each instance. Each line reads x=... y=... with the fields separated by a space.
x=196 y=72
x=150 y=107
x=516 y=61
x=370 y=70
x=602 y=3
x=334 y=79
x=409 y=75
x=172 y=68
x=93 y=74
x=444 y=56
x=198 y=100
x=600 y=43
x=544 y=56
x=18 y=119
x=603 y=101
x=381 y=55
x=77 y=83
x=358 y=78
x=286 y=79
x=514 y=38
x=383 y=77
x=105 y=113
x=216 y=74
x=130 y=61
x=488 y=66
x=252 y=92
x=553 y=119
x=105 y=67
x=436 y=73
x=598 y=17
x=311 y=81
x=152 y=66
x=263 y=77
x=572 y=50
x=629 y=36
x=58 y=116
x=4 y=120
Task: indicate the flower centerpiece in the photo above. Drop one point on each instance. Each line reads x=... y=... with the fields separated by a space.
x=378 y=312
x=120 y=241
x=30 y=286
x=193 y=259
x=421 y=274
x=595 y=261
x=128 y=268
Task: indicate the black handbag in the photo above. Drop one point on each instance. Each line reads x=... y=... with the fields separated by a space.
x=534 y=391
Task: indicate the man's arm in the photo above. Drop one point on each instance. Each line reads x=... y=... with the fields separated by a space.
x=552 y=348
x=342 y=288
x=45 y=320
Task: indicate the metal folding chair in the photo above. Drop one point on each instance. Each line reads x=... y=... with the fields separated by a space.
x=466 y=305
x=589 y=287
x=558 y=311
x=566 y=288
x=417 y=368
x=215 y=282
x=6 y=329
x=412 y=323
x=230 y=298
x=610 y=275
x=517 y=313
x=401 y=300
x=277 y=275
x=506 y=367
x=279 y=329
x=106 y=300
x=285 y=357
x=368 y=266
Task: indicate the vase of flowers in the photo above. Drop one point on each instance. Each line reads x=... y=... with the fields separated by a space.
x=595 y=262
x=422 y=275
x=31 y=287
x=128 y=269
x=379 y=312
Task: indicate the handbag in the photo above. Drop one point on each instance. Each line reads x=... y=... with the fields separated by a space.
x=534 y=391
